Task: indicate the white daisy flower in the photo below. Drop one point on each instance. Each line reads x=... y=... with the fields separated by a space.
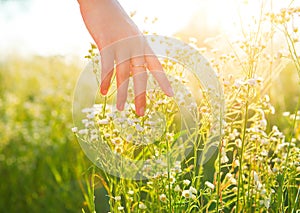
x=186 y=182
x=142 y=206
x=209 y=185
x=74 y=129
x=163 y=198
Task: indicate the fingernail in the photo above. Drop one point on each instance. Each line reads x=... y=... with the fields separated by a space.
x=104 y=91
x=120 y=107
x=170 y=91
x=141 y=111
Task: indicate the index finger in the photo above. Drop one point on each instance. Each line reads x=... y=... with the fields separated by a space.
x=158 y=72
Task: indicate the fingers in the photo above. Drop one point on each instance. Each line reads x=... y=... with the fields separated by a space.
x=157 y=71
x=123 y=71
x=136 y=62
x=107 y=65
x=139 y=72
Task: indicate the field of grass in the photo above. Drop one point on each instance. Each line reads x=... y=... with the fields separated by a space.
x=255 y=169
x=41 y=162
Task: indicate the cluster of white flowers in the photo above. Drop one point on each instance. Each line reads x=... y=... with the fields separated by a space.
x=209 y=185
x=191 y=193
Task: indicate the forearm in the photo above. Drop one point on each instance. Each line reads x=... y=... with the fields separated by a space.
x=102 y=7
x=103 y=15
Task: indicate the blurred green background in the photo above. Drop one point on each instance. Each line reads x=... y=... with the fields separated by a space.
x=41 y=163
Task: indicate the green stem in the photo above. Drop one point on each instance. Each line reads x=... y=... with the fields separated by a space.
x=169 y=184
x=92 y=191
x=240 y=182
x=219 y=177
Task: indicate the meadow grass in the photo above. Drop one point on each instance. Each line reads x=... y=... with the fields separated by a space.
x=256 y=168
x=41 y=162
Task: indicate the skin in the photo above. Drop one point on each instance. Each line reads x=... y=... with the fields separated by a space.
x=120 y=42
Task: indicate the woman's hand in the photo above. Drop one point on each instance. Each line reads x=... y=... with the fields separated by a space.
x=120 y=41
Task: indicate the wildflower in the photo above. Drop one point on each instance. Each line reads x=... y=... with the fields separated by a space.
x=169 y=136
x=120 y=208
x=231 y=136
x=286 y=114
x=251 y=81
x=186 y=193
x=258 y=185
x=186 y=182
x=118 y=149
x=106 y=135
x=267 y=98
x=149 y=183
x=233 y=180
x=111 y=115
x=238 y=143
x=236 y=163
x=189 y=193
x=115 y=131
x=90 y=123
x=83 y=131
x=150 y=123
x=87 y=110
x=117 y=141
x=267 y=202
x=224 y=158
x=94 y=131
x=121 y=120
x=84 y=121
x=264 y=153
x=172 y=179
x=261 y=202
x=130 y=192
x=264 y=141
x=142 y=206
x=263 y=123
x=238 y=83
x=139 y=128
x=117 y=198
x=177 y=167
x=236 y=132
x=193 y=190
x=192 y=105
x=90 y=115
x=103 y=122
x=163 y=198
x=178 y=189
x=272 y=110
x=130 y=122
x=94 y=137
x=263 y=191
x=209 y=185
x=97 y=106
x=74 y=129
